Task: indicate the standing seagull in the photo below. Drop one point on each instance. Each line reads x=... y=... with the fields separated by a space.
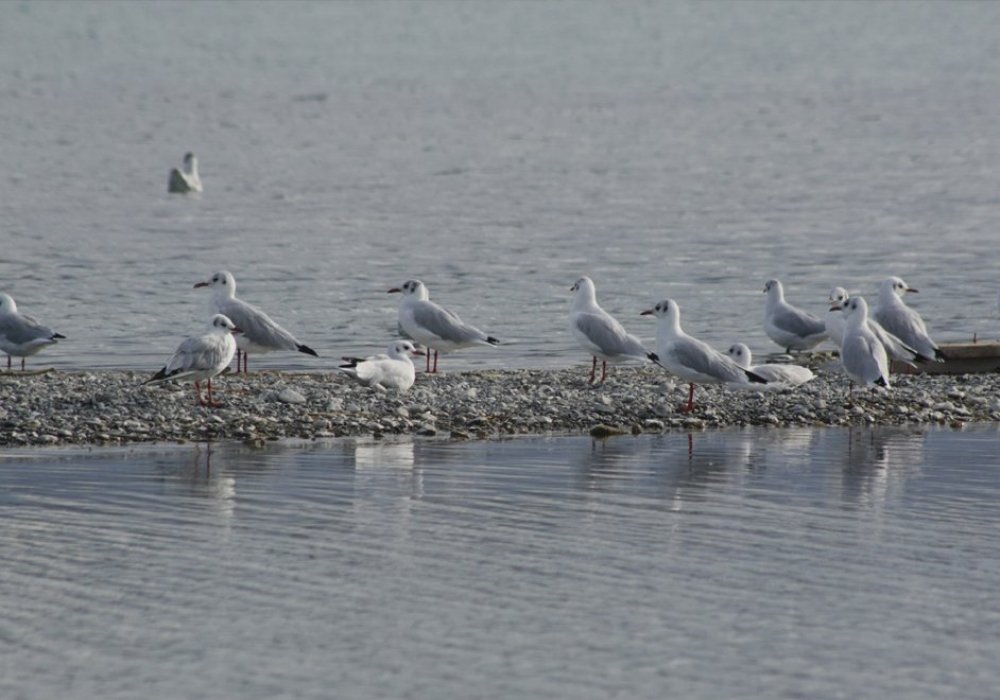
x=392 y=370
x=902 y=321
x=777 y=376
x=201 y=357
x=690 y=358
x=22 y=335
x=183 y=181
x=862 y=354
x=836 y=324
x=259 y=331
x=788 y=326
x=435 y=326
x=599 y=333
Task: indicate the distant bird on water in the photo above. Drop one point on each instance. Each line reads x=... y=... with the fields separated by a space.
x=435 y=326
x=260 y=333
x=599 y=333
x=185 y=179
x=788 y=326
x=21 y=335
x=201 y=357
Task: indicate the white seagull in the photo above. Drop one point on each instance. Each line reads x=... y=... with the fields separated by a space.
x=777 y=376
x=599 y=333
x=260 y=333
x=788 y=326
x=185 y=180
x=391 y=370
x=690 y=358
x=836 y=324
x=435 y=326
x=902 y=321
x=21 y=335
x=201 y=357
x=862 y=354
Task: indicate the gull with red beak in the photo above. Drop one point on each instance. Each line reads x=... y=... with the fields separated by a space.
x=599 y=333
x=691 y=359
x=201 y=357
x=390 y=370
x=435 y=326
x=260 y=333
x=903 y=322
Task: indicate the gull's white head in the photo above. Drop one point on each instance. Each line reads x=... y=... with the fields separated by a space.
x=222 y=283
x=190 y=163
x=7 y=305
x=856 y=310
x=412 y=288
x=774 y=290
x=403 y=349
x=667 y=313
x=221 y=325
x=895 y=285
x=838 y=297
x=584 y=291
x=740 y=354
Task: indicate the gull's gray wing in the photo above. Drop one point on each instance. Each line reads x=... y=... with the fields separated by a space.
x=197 y=354
x=606 y=335
x=19 y=329
x=704 y=359
x=896 y=348
x=801 y=323
x=445 y=324
x=257 y=326
x=906 y=324
x=861 y=357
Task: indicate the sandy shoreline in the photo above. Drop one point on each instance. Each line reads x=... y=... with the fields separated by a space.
x=110 y=407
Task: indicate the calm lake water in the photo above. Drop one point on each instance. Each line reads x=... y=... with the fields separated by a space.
x=497 y=151
x=739 y=563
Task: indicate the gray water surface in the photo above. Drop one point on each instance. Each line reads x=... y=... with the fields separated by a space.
x=498 y=151
x=741 y=563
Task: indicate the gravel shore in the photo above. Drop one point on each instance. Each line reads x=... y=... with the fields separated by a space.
x=110 y=407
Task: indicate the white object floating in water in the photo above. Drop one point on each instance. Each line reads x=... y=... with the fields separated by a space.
x=185 y=180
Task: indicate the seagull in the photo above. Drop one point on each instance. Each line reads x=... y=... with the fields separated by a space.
x=201 y=357
x=391 y=370
x=862 y=354
x=690 y=358
x=836 y=324
x=21 y=335
x=186 y=180
x=259 y=331
x=434 y=326
x=788 y=326
x=599 y=333
x=902 y=321
x=777 y=376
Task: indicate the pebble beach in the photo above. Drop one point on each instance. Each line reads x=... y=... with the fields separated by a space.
x=112 y=407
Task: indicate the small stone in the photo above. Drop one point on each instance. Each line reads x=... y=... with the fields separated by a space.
x=290 y=396
x=427 y=431
x=458 y=435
